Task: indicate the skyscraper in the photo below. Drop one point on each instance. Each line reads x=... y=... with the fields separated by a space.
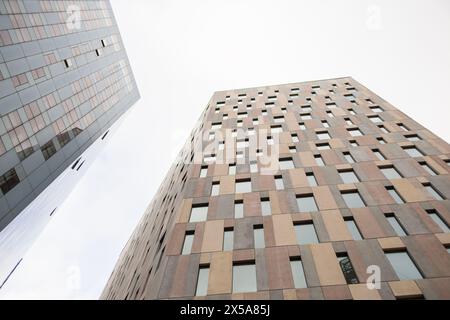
x=65 y=82
x=314 y=190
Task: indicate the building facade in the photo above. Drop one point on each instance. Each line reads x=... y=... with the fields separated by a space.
x=314 y=190
x=65 y=82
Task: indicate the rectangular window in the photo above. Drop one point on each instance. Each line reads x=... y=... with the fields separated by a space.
x=323 y=135
x=202 y=281
x=434 y=214
x=215 y=188
x=298 y=273
x=265 y=207
x=279 y=185
x=353 y=228
x=238 y=209
x=302 y=125
x=394 y=194
x=253 y=167
x=232 y=169
x=413 y=152
x=187 y=244
x=403 y=265
x=375 y=119
x=243 y=186
x=383 y=129
x=311 y=179
x=427 y=168
x=306 y=116
x=376 y=109
x=67 y=63
x=199 y=212
x=381 y=140
x=294 y=138
x=292 y=149
x=325 y=123
x=378 y=154
x=355 y=132
x=306 y=203
x=286 y=164
x=9 y=180
x=306 y=233
x=258 y=237
x=244 y=278
x=348 y=176
x=432 y=191
x=395 y=224
x=353 y=199
x=323 y=146
x=403 y=127
x=348 y=157
x=390 y=172
x=347 y=269
x=413 y=137
x=319 y=160
x=228 y=239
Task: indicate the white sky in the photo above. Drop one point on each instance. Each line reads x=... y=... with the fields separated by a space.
x=183 y=51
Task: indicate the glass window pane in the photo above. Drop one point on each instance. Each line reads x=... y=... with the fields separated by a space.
x=298 y=274
x=265 y=207
x=353 y=199
x=319 y=161
x=187 y=245
x=202 y=281
x=238 y=210
x=395 y=195
x=353 y=228
x=244 y=278
x=348 y=157
x=438 y=220
x=348 y=270
x=258 y=234
x=427 y=168
x=413 y=152
x=396 y=226
x=311 y=179
x=199 y=213
x=279 y=183
x=403 y=265
x=228 y=240
x=286 y=164
x=215 y=189
x=348 y=176
x=306 y=203
x=433 y=192
x=243 y=186
x=306 y=233
x=390 y=173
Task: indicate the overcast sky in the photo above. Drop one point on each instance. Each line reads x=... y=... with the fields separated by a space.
x=183 y=51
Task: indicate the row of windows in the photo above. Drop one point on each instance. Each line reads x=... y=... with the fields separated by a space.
x=244 y=274
x=306 y=232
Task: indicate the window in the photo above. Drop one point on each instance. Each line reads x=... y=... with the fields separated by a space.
x=243 y=186
x=323 y=135
x=294 y=138
x=347 y=269
x=413 y=152
x=265 y=207
x=103 y=43
x=355 y=132
x=394 y=194
x=279 y=185
x=319 y=160
x=353 y=199
x=403 y=265
x=302 y=125
x=298 y=273
x=276 y=129
x=375 y=119
x=48 y=150
x=348 y=157
x=381 y=140
x=330 y=114
x=244 y=277
x=253 y=167
x=311 y=179
x=348 y=176
x=278 y=119
x=383 y=129
x=323 y=146
x=413 y=137
x=232 y=169
x=202 y=281
x=376 y=109
x=187 y=244
x=98 y=52
x=432 y=191
x=306 y=233
x=378 y=154
x=438 y=220
x=390 y=172
x=255 y=121
x=306 y=108
x=353 y=143
x=399 y=230
x=403 y=127
x=199 y=212
x=228 y=239
x=427 y=168
x=353 y=228
x=215 y=188
x=348 y=121
x=258 y=237
x=306 y=116
x=67 y=63
x=352 y=112
x=325 y=123
x=9 y=180
x=306 y=203
x=292 y=149
x=286 y=163
x=238 y=209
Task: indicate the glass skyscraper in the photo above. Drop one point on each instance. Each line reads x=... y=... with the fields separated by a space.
x=65 y=82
